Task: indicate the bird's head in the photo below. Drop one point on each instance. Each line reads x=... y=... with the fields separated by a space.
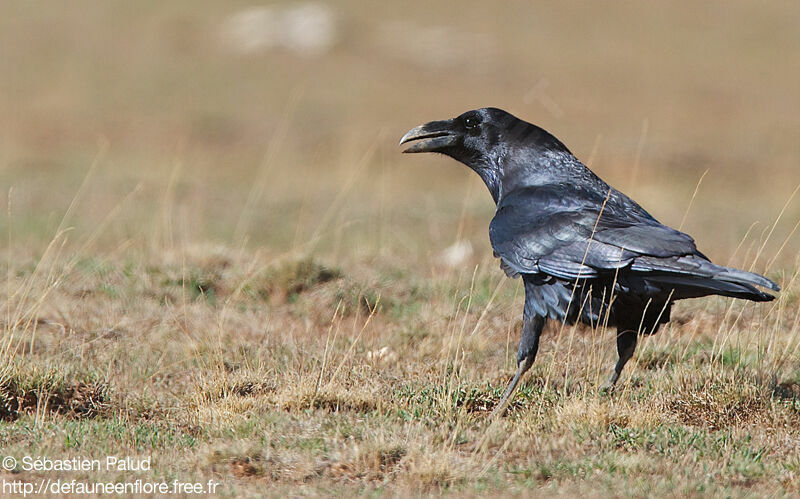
x=475 y=138
x=503 y=149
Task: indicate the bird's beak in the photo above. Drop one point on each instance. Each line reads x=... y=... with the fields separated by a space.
x=432 y=137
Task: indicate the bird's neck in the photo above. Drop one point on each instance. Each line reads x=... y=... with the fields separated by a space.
x=535 y=169
x=492 y=180
x=530 y=167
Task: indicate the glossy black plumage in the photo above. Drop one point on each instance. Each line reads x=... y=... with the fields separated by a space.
x=585 y=250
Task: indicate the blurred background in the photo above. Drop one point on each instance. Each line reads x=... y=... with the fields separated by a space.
x=274 y=125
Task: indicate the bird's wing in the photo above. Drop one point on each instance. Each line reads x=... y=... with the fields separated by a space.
x=571 y=232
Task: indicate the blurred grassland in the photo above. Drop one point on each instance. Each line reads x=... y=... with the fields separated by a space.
x=221 y=259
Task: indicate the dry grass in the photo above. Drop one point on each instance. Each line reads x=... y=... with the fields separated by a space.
x=235 y=272
x=291 y=394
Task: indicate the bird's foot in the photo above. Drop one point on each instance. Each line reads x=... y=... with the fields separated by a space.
x=608 y=386
x=523 y=366
x=500 y=410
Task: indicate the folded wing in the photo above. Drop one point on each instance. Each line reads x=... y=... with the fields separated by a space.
x=571 y=233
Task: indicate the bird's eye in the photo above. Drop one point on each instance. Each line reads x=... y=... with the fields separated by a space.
x=471 y=121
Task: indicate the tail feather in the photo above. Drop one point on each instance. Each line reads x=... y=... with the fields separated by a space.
x=688 y=286
x=692 y=277
x=741 y=276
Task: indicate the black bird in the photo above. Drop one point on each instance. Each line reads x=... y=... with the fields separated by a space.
x=586 y=252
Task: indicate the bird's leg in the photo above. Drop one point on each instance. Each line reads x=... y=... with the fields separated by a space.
x=528 y=346
x=626 y=344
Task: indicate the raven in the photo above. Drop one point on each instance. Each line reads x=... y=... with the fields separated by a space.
x=585 y=251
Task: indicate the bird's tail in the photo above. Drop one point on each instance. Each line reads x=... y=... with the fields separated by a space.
x=692 y=277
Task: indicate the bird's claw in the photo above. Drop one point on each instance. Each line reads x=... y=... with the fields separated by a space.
x=499 y=411
x=611 y=382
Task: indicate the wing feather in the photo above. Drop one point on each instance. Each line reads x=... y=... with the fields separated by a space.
x=568 y=233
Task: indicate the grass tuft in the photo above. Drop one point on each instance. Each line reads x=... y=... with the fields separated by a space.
x=48 y=390
x=289 y=279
